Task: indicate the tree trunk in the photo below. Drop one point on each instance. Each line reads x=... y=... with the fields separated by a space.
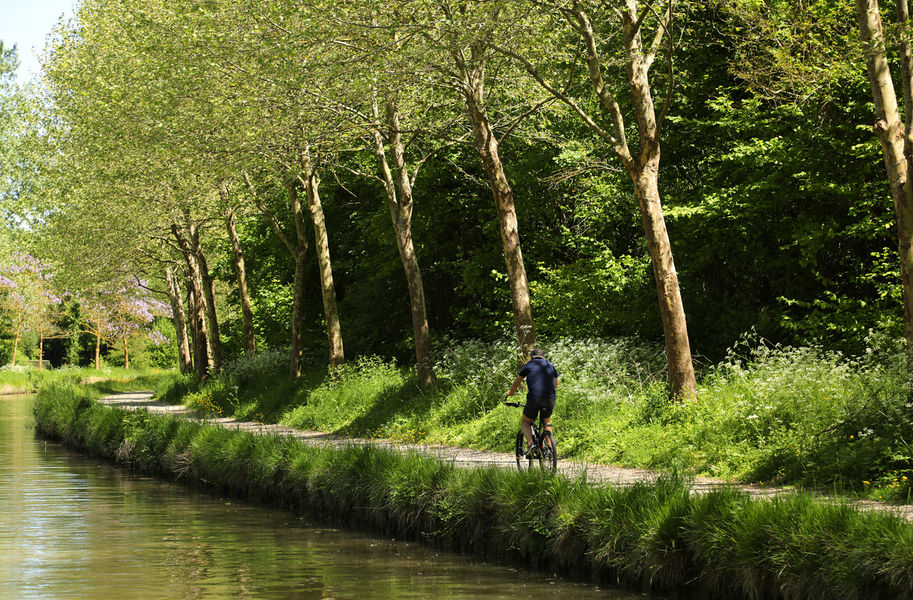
x=185 y=363
x=299 y=254
x=487 y=146
x=322 y=248
x=40 y=351
x=126 y=353
x=401 y=215
x=645 y=173
x=97 y=351
x=896 y=143
x=209 y=295
x=247 y=313
x=682 y=381
x=16 y=342
x=203 y=357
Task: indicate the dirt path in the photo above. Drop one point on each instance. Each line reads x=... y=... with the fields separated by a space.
x=464 y=457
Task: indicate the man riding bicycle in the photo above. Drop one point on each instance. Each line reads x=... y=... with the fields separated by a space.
x=541 y=382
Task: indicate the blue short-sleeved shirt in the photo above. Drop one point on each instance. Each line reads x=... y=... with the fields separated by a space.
x=540 y=379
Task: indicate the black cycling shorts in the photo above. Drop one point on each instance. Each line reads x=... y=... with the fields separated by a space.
x=535 y=408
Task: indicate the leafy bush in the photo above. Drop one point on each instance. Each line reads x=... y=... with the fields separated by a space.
x=262 y=369
x=352 y=398
x=487 y=369
x=801 y=415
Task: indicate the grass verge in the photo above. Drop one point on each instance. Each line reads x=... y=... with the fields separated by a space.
x=108 y=380
x=800 y=416
x=658 y=537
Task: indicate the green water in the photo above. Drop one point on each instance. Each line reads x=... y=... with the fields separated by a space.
x=72 y=527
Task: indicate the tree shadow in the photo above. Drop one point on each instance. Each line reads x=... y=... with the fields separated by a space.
x=404 y=399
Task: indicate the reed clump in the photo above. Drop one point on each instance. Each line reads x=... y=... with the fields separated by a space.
x=658 y=536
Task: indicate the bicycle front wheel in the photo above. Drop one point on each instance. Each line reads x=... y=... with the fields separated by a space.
x=549 y=452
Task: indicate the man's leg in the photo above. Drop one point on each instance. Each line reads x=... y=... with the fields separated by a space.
x=526 y=426
x=547 y=424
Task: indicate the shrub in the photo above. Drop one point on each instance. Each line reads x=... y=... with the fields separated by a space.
x=258 y=371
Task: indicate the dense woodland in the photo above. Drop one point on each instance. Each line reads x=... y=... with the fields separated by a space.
x=355 y=178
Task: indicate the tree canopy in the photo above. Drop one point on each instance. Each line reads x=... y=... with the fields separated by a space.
x=428 y=141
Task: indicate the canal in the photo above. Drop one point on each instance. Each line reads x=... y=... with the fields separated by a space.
x=72 y=527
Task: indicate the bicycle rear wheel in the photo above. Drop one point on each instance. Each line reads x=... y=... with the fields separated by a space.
x=524 y=462
x=549 y=454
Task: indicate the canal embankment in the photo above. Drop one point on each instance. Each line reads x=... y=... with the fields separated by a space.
x=655 y=535
x=73 y=526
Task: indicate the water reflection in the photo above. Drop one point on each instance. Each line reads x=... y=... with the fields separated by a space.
x=76 y=528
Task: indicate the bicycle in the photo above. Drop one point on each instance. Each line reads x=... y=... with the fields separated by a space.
x=544 y=449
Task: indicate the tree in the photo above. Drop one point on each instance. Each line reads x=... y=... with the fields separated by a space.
x=8 y=64
x=114 y=315
x=132 y=309
x=895 y=132
x=447 y=46
x=247 y=311
x=588 y=28
x=27 y=296
x=466 y=38
x=179 y=318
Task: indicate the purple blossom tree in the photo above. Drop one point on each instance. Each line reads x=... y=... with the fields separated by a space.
x=27 y=295
x=113 y=316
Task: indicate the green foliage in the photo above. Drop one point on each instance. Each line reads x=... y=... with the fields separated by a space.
x=803 y=416
x=172 y=388
x=657 y=537
x=797 y=415
x=161 y=354
x=259 y=370
x=352 y=399
x=23 y=379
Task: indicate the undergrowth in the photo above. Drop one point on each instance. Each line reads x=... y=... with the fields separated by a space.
x=766 y=414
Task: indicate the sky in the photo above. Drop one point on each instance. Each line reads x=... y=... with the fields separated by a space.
x=26 y=23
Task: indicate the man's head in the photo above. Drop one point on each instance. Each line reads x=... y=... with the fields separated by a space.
x=536 y=353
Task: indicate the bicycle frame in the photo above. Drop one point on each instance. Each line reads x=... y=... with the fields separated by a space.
x=543 y=449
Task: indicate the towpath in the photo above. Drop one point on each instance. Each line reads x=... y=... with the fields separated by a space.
x=464 y=457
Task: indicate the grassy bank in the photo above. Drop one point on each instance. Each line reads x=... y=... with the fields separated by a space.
x=25 y=380
x=721 y=545
x=801 y=416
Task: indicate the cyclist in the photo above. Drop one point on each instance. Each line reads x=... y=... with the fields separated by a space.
x=541 y=381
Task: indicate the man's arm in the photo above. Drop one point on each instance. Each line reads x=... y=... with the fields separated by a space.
x=516 y=385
